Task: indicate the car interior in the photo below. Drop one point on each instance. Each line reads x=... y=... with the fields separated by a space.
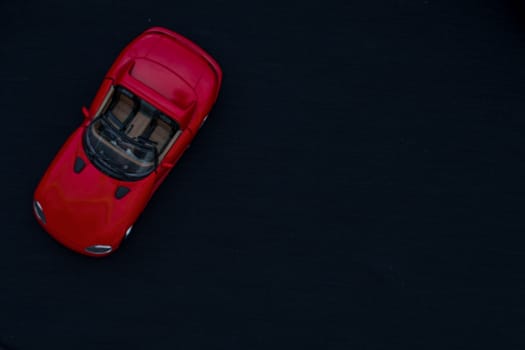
x=140 y=121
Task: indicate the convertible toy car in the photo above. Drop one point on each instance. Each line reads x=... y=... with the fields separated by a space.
x=150 y=105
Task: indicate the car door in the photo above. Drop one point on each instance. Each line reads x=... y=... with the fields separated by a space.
x=173 y=155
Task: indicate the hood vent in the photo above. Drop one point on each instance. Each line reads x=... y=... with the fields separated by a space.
x=121 y=192
x=79 y=165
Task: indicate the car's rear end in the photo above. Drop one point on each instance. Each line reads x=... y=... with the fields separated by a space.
x=191 y=46
x=171 y=72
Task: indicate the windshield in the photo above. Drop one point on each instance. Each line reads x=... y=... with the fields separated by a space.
x=126 y=139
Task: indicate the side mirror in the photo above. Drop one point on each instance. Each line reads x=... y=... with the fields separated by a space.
x=167 y=165
x=85 y=112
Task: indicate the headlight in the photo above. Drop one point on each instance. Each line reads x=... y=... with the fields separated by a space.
x=39 y=212
x=98 y=249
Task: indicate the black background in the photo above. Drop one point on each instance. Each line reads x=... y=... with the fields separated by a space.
x=358 y=185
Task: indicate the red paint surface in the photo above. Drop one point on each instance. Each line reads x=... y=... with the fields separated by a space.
x=171 y=73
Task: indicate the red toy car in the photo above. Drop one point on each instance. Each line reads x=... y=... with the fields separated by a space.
x=152 y=102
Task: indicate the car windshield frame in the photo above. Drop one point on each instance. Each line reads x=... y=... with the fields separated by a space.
x=115 y=150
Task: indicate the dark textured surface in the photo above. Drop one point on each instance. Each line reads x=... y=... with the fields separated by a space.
x=359 y=184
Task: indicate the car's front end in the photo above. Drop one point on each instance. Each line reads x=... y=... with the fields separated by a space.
x=86 y=211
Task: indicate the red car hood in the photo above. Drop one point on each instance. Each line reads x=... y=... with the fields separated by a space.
x=81 y=209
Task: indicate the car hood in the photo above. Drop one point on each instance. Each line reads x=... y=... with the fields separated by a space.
x=81 y=207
